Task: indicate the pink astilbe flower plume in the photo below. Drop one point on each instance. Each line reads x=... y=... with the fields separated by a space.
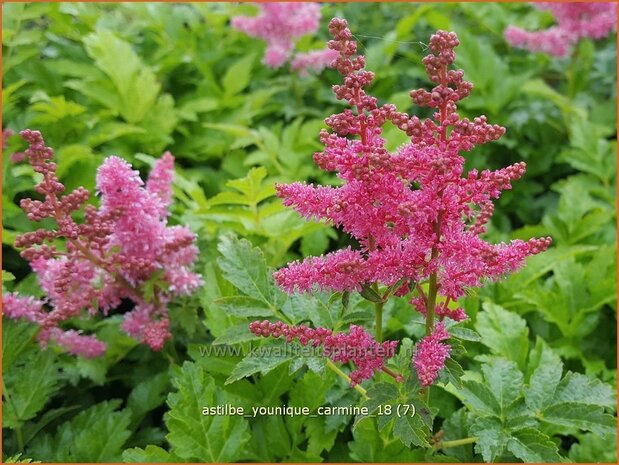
x=430 y=355
x=279 y=24
x=117 y=250
x=415 y=213
x=574 y=21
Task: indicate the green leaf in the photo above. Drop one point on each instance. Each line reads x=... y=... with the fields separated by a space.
x=370 y=294
x=148 y=395
x=478 y=398
x=136 y=85
x=580 y=416
x=541 y=389
x=492 y=439
x=238 y=75
x=504 y=332
x=505 y=382
x=30 y=384
x=575 y=387
x=151 y=454
x=245 y=267
x=453 y=372
x=464 y=333
x=368 y=446
x=97 y=434
x=261 y=360
x=202 y=438
x=243 y=306
x=529 y=445
x=235 y=335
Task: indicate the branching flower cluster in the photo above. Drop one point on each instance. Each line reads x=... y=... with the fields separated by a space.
x=415 y=214
x=279 y=24
x=574 y=21
x=122 y=250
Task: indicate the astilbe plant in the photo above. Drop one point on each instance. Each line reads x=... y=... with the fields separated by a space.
x=574 y=21
x=415 y=214
x=279 y=24
x=122 y=250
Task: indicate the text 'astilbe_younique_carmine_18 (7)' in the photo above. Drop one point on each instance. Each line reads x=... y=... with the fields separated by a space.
x=122 y=250
x=416 y=215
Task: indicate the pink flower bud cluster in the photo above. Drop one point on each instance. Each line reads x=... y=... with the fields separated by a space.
x=574 y=21
x=415 y=213
x=279 y=24
x=430 y=355
x=118 y=250
x=368 y=355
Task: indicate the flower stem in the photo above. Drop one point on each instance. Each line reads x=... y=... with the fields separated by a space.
x=343 y=375
x=379 y=320
x=430 y=307
x=455 y=443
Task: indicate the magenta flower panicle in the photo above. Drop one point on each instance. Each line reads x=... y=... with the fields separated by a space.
x=416 y=214
x=108 y=257
x=575 y=20
x=368 y=355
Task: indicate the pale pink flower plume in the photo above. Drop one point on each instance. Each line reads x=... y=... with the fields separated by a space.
x=314 y=61
x=119 y=247
x=279 y=24
x=594 y=20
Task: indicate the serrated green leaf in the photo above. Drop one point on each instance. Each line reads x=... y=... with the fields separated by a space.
x=30 y=384
x=243 y=306
x=479 y=399
x=464 y=334
x=541 y=389
x=504 y=332
x=148 y=395
x=315 y=364
x=453 y=372
x=491 y=439
x=580 y=416
x=505 y=382
x=530 y=445
x=197 y=437
x=135 y=84
x=95 y=435
x=261 y=360
x=151 y=454
x=575 y=387
x=245 y=267
x=368 y=446
x=235 y=335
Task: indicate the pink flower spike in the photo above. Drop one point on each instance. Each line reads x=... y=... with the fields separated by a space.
x=159 y=181
x=75 y=343
x=430 y=355
x=368 y=355
x=18 y=307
